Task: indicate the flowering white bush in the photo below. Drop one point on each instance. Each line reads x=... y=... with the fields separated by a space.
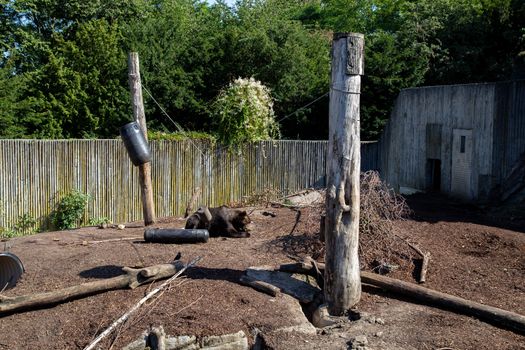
x=243 y=112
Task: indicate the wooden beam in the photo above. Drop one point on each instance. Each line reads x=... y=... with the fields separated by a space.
x=489 y=314
x=342 y=279
x=148 y=206
x=486 y=313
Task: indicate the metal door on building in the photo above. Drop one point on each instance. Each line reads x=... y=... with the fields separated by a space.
x=461 y=183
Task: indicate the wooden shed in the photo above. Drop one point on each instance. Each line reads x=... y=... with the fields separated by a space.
x=467 y=141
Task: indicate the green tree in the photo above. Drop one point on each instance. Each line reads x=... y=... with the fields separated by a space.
x=80 y=92
x=63 y=63
x=396 y=54
x=73 y=67
x=10 y=86
x=472 y=40
x=98 y=62
x=189 y=51
x=266 y=41
x=179 y=44
x=417 y=42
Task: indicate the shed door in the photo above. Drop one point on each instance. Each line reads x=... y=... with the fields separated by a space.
x=461 y=163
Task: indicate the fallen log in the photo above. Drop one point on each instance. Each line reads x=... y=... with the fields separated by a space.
x=261 y=286
x=489 y=314
x=131 y=279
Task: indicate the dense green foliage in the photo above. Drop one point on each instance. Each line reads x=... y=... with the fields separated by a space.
x=63 y=68
x=69 y=210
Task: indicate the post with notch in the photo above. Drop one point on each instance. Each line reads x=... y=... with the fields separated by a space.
x=342 y=275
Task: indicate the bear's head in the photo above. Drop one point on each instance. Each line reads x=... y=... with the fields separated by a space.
x=241 y=221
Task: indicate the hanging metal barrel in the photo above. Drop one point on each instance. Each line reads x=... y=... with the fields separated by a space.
x=135 y=143
x=11 y=269
x=168 y=235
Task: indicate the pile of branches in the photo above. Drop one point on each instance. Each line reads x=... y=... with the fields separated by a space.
x=262 y=197
x=380 y=248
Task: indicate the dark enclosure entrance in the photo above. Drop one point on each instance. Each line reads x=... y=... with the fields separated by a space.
x=433 y=175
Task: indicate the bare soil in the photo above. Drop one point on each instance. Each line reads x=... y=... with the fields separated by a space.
x=474 y=254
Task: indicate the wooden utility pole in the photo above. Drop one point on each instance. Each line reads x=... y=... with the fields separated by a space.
x=146 y=189
x=342 y=278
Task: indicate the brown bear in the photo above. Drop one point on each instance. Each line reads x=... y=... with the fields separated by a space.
x=200 y=219
x=221 y=221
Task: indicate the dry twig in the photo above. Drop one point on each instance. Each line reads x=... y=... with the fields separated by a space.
x=124 y=317
x=424 y=256
x=187 y=306
x=297 y=218
x=113 y=240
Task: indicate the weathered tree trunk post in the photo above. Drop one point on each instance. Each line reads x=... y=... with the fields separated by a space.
x=148 y=207
x=342 y=277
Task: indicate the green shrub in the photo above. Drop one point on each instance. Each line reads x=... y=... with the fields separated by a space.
x=243 y=112
x=99 y=221
x=25 y=225
x=69 y=210
x=7 y=233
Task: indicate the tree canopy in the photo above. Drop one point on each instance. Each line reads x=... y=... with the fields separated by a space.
x=63 y=68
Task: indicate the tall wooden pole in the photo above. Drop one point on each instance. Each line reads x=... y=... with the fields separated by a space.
x=146 y=189
x=342 y=277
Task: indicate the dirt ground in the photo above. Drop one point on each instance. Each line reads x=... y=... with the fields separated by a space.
x=474 y=255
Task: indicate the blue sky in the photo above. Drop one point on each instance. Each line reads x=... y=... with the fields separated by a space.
x=229 y=2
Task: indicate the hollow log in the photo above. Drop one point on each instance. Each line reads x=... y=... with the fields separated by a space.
x=132 y=279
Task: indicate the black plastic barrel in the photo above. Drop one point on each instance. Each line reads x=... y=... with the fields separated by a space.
x=136 y=144
x=175 y=235
x=11 y=270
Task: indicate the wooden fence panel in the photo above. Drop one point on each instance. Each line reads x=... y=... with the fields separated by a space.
x=34 y=174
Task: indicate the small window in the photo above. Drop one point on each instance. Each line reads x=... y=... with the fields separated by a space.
x=462 y=144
